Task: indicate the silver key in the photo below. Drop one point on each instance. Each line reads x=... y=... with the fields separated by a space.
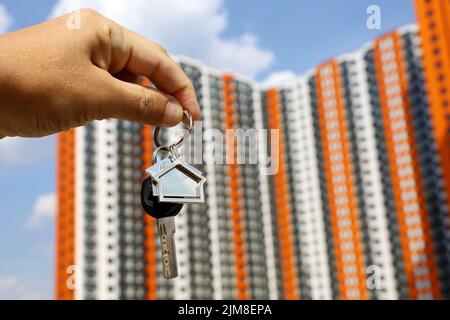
x=166 y=231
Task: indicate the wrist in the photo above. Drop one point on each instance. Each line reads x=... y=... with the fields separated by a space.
x=9 y=88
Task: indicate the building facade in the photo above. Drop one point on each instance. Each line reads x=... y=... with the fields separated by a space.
x=358 y=208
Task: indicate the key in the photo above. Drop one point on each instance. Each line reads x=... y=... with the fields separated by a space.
x=166 y=231
x=164 y=213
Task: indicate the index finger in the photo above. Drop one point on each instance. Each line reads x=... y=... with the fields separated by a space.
x=140 y=56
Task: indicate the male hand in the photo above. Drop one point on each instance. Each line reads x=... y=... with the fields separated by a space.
x=54 y=78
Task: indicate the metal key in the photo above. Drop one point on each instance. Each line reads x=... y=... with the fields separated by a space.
x=166 y=231
x=164 y=213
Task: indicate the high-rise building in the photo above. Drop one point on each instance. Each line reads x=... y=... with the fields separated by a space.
x=358 y=208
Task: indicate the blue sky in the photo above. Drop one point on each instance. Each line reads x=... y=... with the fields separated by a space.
x=304 y=33
x=284 y=35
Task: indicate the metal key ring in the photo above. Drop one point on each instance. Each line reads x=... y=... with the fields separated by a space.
x=158 y=149
x=172 y=150
x=181 y=141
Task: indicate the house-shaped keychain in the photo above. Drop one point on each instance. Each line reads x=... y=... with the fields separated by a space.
x=176 y=181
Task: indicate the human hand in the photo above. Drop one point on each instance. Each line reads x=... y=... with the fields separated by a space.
x=54 y=78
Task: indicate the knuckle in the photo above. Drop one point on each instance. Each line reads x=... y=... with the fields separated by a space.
x=90 y=14
x=161 y=49
x=190 y=86
x=94 y=21
x=146 y=104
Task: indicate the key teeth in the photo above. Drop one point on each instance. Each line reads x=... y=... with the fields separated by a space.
x=169 y=276
x=166 y=231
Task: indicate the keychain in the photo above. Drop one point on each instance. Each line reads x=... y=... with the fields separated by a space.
x=171 y=183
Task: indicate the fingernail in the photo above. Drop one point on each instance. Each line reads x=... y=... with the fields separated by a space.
x=173 y=113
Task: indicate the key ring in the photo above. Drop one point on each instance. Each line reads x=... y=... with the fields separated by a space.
x=173 y=148
x=158 y=149
x=181 y=141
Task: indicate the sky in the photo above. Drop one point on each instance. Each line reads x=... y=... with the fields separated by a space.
x=267 y=40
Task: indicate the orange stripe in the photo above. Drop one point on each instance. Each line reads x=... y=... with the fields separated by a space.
x=402 y=124
x=285 y=229
x=150 y=257
x=235 y=188
x=343 y=204
x=436 y=62
x=149 y=223
x=65 y=219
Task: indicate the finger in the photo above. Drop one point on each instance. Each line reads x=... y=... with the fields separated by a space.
x=129 y=101
x=140 y=56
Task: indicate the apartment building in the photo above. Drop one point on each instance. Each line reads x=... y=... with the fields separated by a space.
x=358 y=208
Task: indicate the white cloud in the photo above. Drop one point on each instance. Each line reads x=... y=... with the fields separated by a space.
x=279 y=77
x=17 y=152
x=44 y=209
x=13 y=288
x=5 y=19
x=192 y=28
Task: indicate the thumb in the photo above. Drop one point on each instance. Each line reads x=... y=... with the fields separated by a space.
x=133 y=102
